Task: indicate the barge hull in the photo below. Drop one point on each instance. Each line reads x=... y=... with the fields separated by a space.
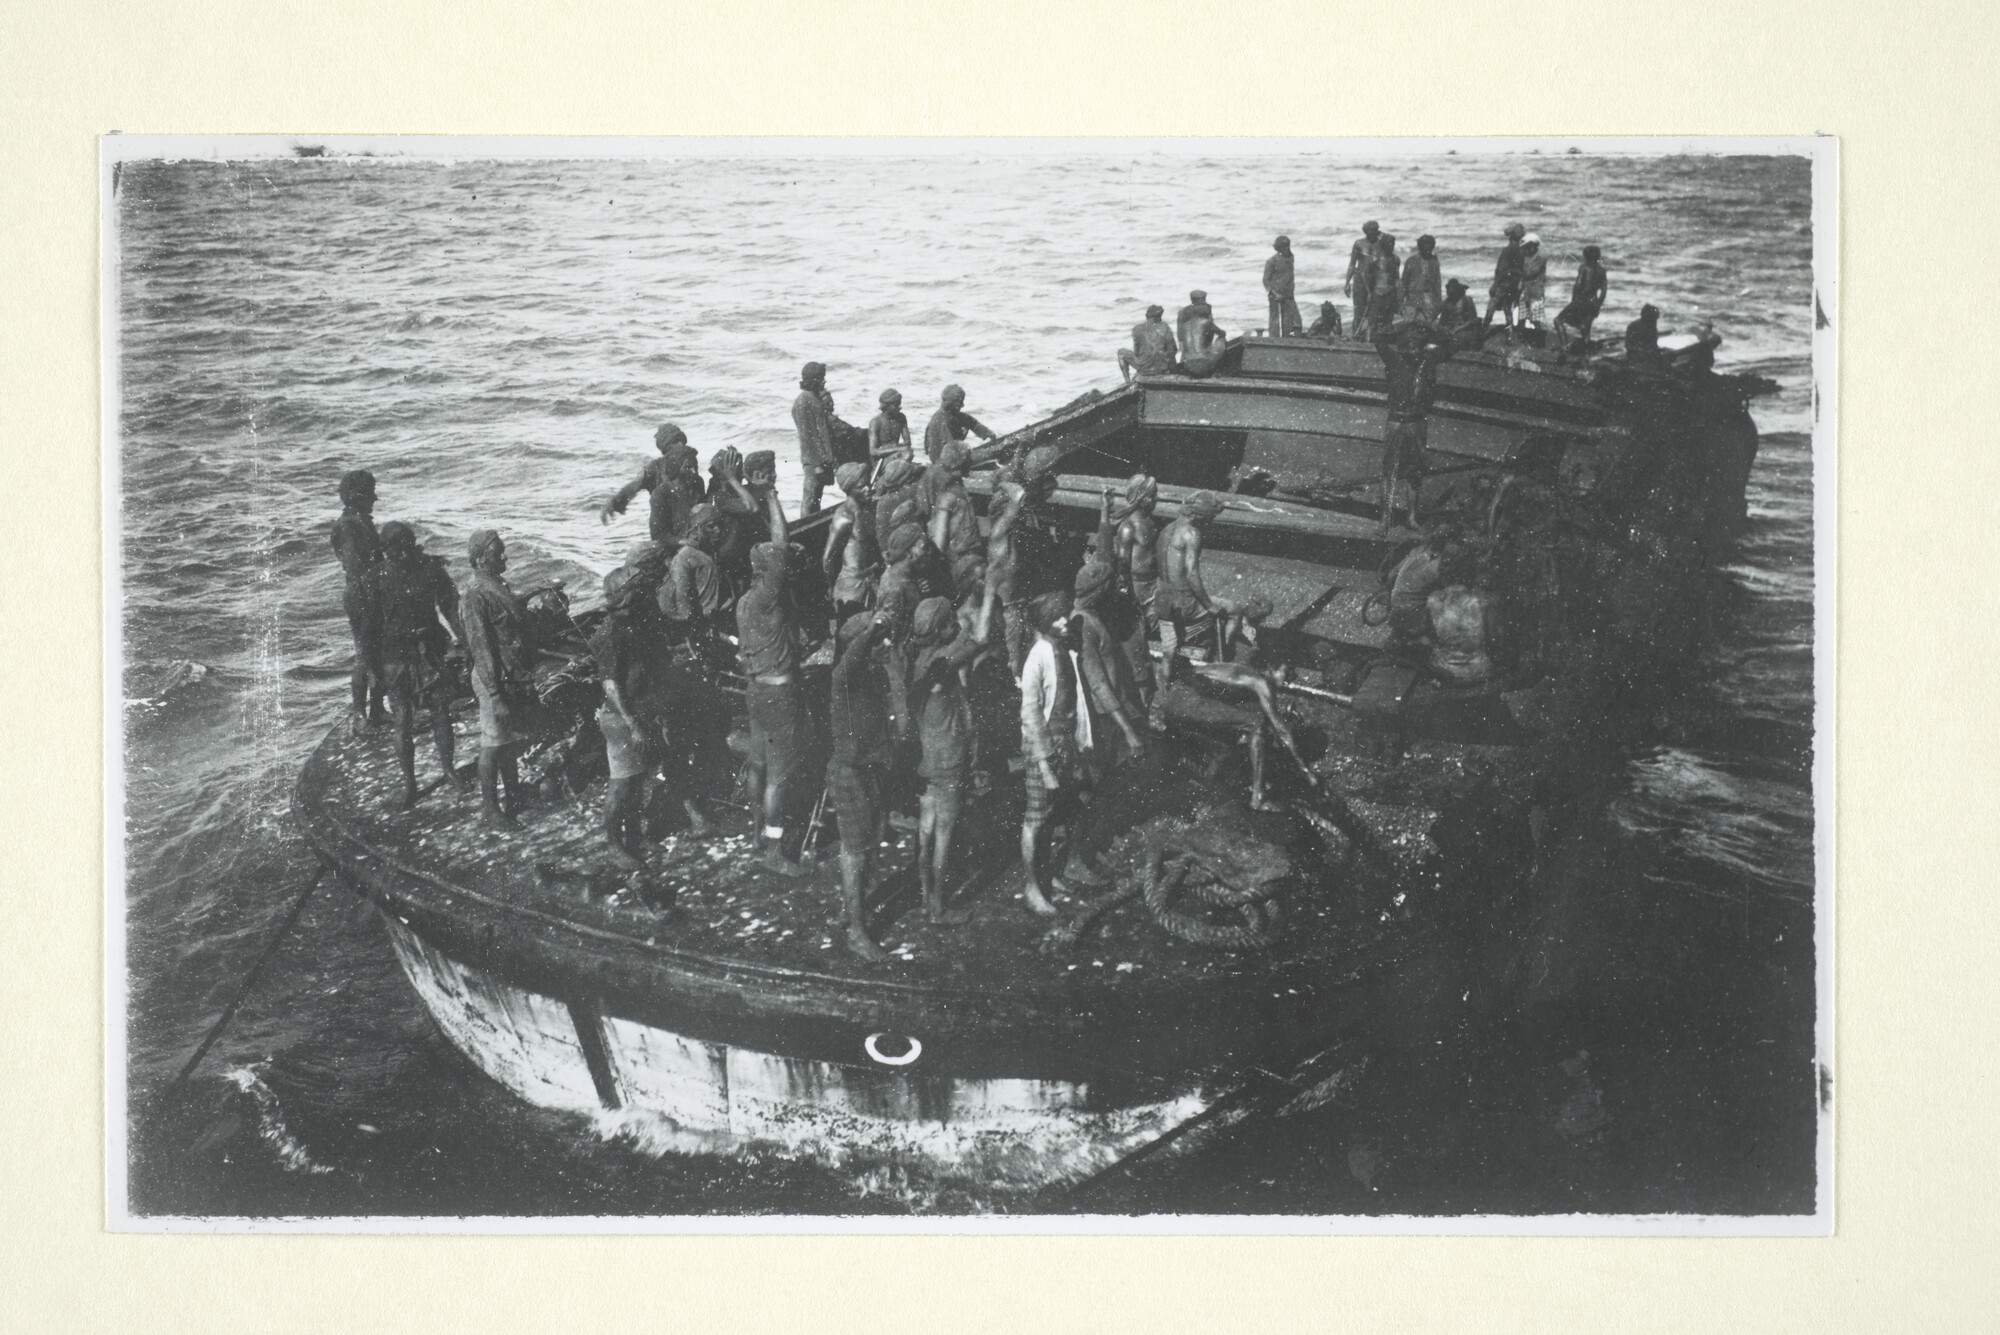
x=664 y=1087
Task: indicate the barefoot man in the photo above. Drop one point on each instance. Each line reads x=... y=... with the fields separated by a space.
x=1054 y=731
x=411 y=592
x=944 y=727
x=1410 y=356
x=1135 y=560
x=767 y=644
x=859 y=715
x=1186 y=611
x=491 y=615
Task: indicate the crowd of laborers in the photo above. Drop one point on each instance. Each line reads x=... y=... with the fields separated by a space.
x=923 y=599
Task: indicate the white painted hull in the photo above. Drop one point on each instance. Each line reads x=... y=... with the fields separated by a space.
x=690 y=1094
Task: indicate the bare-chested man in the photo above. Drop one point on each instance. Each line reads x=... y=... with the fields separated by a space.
x=859 y=718
x=412 y=592
x=943 y=653
x=852 y=561
x=1135 y=561
x=1410 y=357
x=768 y=648
x=1187 y=612
x=358 y=548
x=954 y=527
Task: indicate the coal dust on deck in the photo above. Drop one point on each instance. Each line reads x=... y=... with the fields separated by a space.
x=711 y=896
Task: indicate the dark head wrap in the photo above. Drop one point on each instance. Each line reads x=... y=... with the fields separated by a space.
x=953 y=396
x=955 y=458
x=397 y=535
x=1093 y=579
x=1371 y=227
x=681 y=457
x=1515 y=231
x=1050 y=608
x=481 y=539
x=812 y=374
x=898 y=472
x=720 y=461
x=1197 y=296
x=1202 y=506
x=1140 y=491
x=851 y=478
x=1039 y=461
x=703 y=516
x=1592 y=253
x=968 y=572
x=889 y=398
x=1455 y=285
x=1282 y=243
x=669 y=435
x=767 y=557
x=623 y=591
x=648 y=560
x=1155 y=312
x=935 y=621
x=760 y=461
x=855 y=627
x=1255 y=609
x=355 y=484
x=902 y=541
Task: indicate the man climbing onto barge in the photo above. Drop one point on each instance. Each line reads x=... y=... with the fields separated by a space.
x=411 y=592
x=492 y=618
x=671 y=482
x=358 y=548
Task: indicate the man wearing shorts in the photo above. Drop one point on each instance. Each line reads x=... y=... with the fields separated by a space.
x=769 y=654
x=944 y=728
x=1411 y=358
x=411 y=592
x=629 y=688
x=1135 y=560
x=492 y=617
x=1055 y=731
x=1186 y=612
x=859 y=715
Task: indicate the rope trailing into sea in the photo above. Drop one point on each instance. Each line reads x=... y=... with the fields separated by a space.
x=249 y=981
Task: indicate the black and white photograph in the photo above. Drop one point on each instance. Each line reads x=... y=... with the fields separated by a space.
x=969 y=685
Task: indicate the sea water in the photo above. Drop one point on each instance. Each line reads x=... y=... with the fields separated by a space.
x=498 y=340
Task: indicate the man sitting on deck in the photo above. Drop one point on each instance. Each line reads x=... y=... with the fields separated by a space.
x=501 y=681
x=1459 y=319
x=859 y=718
x=951 y=422
x=670 y=481
x=889 y=432
x=411 y=592
x=1328 y=323
x=767 y=645
x=1411 y=359
x=1242 y=669
x=1153 y=348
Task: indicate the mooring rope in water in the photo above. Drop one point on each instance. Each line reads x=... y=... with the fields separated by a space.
x=249 y=981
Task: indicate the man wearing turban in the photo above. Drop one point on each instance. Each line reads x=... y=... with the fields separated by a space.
x=670 y=480
x=852 y=559
x=767 y=646
x=1278 y=289
x=812 y=415
x=501 y=680
x=951 y=422
x=1153 y=348
x=954 y=527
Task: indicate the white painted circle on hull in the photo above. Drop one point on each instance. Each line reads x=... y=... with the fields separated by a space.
x=872 y=1046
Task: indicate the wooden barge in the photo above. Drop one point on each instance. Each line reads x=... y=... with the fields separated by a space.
x=987 y=1050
